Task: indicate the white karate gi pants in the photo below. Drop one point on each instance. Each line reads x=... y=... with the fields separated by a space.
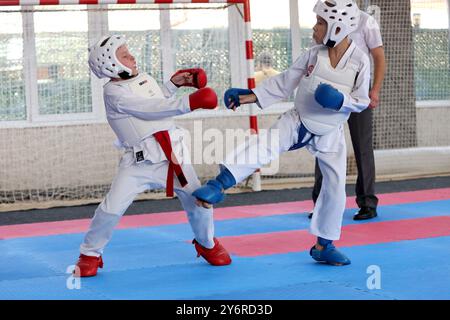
x=128 y=183
x=331 y=153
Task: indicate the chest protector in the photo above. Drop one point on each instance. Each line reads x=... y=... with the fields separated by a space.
x=317 y=119
x=131 y=130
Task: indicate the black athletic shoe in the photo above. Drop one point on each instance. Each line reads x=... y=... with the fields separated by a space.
x=365 y=213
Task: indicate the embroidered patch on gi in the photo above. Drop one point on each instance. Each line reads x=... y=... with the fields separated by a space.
x=140 y=156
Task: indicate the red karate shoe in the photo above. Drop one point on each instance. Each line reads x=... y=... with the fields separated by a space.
x=87 y=266
x=217 y=256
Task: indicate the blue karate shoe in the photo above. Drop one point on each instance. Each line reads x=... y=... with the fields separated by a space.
x=329 y=255
x=213 y=191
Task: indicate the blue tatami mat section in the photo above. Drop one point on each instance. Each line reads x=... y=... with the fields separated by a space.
x=160 y=263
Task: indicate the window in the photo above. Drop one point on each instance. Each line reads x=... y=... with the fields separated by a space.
x=63 y=80
x=142 y=31
x=431 y=49
x=199 y=38
x=307 y=21
x=12 y=84
x=271 y=38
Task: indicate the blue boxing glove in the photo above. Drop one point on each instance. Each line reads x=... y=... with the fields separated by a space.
x=232 y=95
x=329 y=97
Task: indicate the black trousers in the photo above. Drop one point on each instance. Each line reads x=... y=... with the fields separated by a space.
x=361 y=132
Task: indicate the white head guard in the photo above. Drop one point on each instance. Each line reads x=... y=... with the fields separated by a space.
x=341 y=15
x=103 y=60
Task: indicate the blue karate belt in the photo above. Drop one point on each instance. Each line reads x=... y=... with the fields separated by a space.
x=302 y=131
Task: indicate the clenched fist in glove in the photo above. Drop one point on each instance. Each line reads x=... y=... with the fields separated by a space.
x=204 y=98
x=190 y=78
x=329 y=97
x=234 y=97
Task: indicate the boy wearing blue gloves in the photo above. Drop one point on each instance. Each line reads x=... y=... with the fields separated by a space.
x=332 y=80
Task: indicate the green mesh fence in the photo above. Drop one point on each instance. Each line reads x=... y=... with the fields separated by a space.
x=431 y=64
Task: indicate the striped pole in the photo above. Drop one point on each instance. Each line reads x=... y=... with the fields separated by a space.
x=256 y=186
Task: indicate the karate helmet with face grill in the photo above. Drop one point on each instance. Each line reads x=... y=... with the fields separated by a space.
x=103 y=60
x=342 y=17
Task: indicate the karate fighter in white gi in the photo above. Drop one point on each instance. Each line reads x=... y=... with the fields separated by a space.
x=140 y=114
x=332 y=80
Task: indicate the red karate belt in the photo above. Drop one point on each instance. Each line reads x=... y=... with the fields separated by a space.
x=163 y=139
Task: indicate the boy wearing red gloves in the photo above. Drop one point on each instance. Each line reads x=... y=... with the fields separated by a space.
x=141 y=115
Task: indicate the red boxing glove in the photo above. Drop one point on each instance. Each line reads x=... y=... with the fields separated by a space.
x=199 y=78
x=204 y=98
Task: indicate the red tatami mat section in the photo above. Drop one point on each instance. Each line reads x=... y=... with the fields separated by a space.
x=177 y=217
x=352 y=235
